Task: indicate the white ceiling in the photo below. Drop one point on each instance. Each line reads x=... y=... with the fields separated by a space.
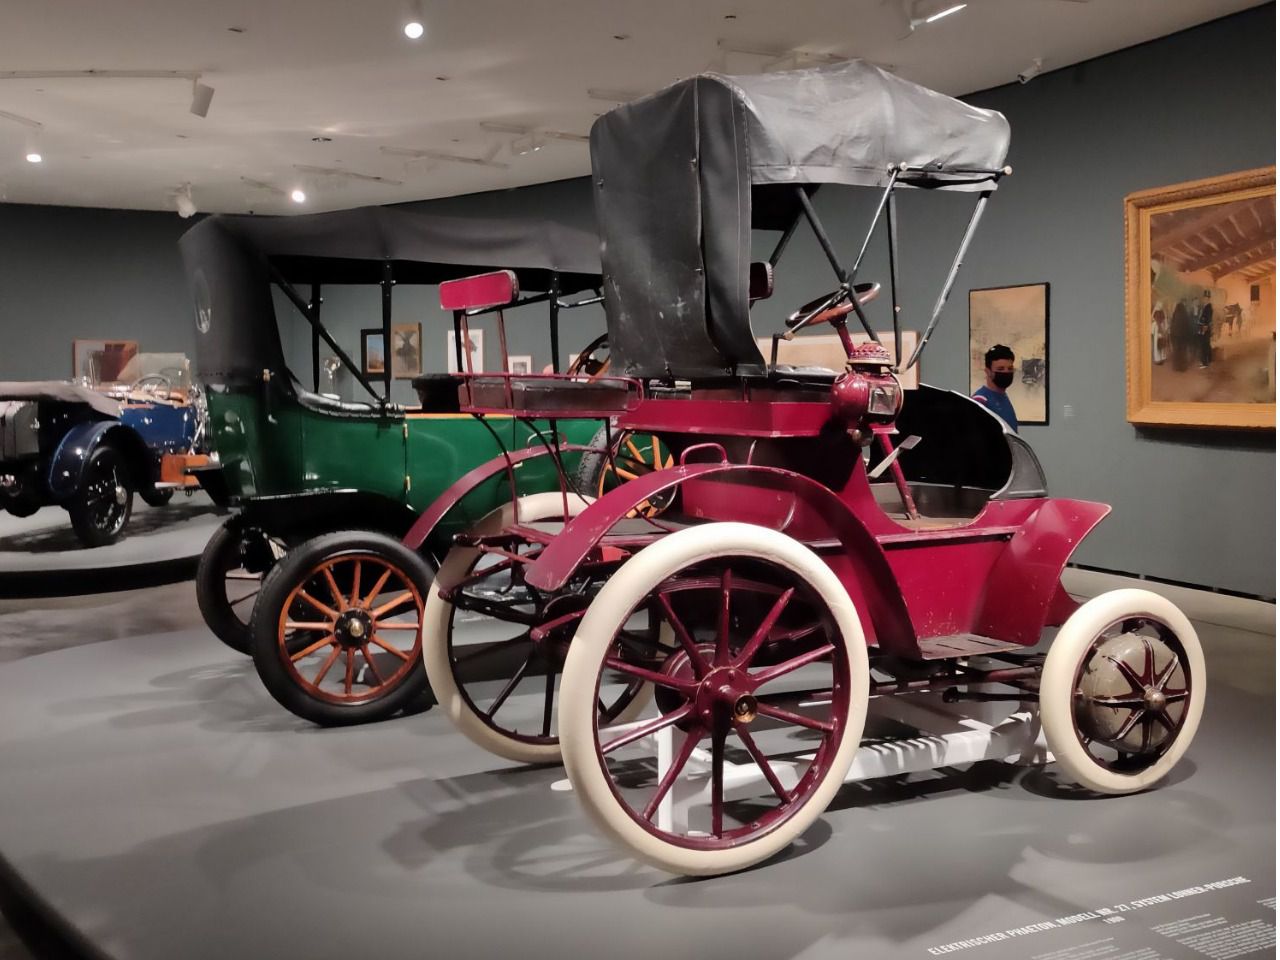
x=343 y=69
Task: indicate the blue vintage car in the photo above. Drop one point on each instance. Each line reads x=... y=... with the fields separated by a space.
x=88 y=447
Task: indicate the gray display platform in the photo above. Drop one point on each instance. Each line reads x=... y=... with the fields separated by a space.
x=159 y=802
x=41 y=554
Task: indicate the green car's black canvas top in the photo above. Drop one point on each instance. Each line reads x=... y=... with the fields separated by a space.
x=229 y=259
x=683 y=176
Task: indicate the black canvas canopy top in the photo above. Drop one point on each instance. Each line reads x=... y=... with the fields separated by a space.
x=683 y=176
x=232 y=261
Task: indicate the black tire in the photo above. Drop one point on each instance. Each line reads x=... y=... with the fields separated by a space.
x=227 y=616
x=595 y=463
x=298 y=685
x=20 y=506
x=587 y=477
x=100 y=509
x=155 y=498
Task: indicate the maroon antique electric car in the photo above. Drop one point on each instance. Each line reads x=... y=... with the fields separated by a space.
x=701 y=642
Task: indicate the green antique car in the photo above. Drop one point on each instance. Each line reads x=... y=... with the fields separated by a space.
x=330 y=616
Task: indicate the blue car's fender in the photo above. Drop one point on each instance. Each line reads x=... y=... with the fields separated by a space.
x=66 y=466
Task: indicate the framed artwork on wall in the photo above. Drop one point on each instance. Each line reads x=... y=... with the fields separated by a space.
x=373 y=352
x=825 y=350
x=1018 y=318
x=101 y=361
x=477 y=352
x=406 y=350
x=520 y=364
x=1200 y=302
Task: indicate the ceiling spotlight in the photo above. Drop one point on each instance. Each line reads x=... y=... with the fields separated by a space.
x=201 y=97
x=298 y=196
x=1030 y=73
x=184 y=202
x=413 y=28
x=34 y=157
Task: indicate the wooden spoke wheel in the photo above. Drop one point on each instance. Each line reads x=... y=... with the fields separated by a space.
x=497 y=638
x=229 y=580
x=634 y=455
x=1122 y=691
x=593 y=361
x=337 y=628
x=757 y=712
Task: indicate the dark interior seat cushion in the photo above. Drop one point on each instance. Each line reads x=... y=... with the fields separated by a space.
x=438 y=392
x=552 y=395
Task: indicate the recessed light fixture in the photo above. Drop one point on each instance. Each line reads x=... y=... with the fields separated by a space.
x=442 y=79
x=236 y=29
x=322 y=139
x=184 y=202
x=414 y=30
x=622 y=36
x=34 y=157
x=956 y=8
x=298 y=196
x=731 y=16
x=413 y=27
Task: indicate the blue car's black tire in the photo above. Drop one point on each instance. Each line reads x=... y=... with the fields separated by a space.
x=101 y=507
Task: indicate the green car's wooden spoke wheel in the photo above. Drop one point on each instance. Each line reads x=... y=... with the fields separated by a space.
x=634 y=455
x=337 y=629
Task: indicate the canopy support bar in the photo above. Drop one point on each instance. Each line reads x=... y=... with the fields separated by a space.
x=387 y=346
x=951 y=277
x=554 y=294
x=841 y=274
x=891 y=222
x=296 y=299
x=315 y=339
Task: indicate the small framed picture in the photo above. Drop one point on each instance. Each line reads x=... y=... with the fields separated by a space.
x=1016 y=317
x=477 y=352
x=521 y=364
x=102 y=361
x=373 y=351
x=406 y=350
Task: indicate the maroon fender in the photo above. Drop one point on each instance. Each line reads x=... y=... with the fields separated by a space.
x=886 y=609
x=440 y=507
x=1024 y=590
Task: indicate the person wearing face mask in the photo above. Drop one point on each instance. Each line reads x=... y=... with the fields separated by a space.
x=999 y=365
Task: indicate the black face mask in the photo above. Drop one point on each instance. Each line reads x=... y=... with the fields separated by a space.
x=1002 y=380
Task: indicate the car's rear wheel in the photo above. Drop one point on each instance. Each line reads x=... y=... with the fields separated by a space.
x=101 y=507
x=155 y=498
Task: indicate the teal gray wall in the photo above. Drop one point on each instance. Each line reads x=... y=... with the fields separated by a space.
x=1190 y=505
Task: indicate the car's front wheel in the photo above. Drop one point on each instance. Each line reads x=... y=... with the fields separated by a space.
x=101 y=507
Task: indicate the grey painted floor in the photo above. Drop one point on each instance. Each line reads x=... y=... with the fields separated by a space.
x=159 y=799
x=45 y=540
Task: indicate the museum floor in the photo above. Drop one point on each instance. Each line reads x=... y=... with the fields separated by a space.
x=158 y=803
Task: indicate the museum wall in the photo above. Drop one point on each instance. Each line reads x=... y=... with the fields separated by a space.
x=1190 y=505
x=68 y=273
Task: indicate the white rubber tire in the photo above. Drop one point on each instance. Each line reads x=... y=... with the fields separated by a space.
x=634 y=581
x=1057 y=688
x=435 y=641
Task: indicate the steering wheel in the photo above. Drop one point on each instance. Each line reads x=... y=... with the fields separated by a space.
x=156 y=384
x=832 y=307
x=592 y=362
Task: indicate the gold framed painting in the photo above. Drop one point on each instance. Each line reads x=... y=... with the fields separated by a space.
x=1200 y=302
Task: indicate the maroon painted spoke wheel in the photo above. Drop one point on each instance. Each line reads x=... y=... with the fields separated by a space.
x=757 y=709
x=351 y=628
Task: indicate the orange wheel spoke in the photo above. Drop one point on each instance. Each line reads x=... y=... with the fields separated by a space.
x=307 y=651
x=388 y=647
x=373 y=668
x=626 y=474
x=377 y=587
x=329 y=661
x=398 y=626
x=338 y=598
x=355 y=584
x=350 y=676
x=399 y=601
x=308 y=625
x=635 y=451
x=326 y=610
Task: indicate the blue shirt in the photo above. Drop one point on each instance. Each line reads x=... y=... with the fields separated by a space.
x=998 y=402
